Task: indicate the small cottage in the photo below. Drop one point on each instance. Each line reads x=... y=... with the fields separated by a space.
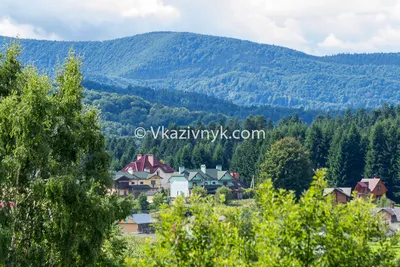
x=137 y=223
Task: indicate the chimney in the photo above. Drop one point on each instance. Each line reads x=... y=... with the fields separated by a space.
x=219 y=167
x=181 y=169
x=203 y=168
x=139 y=156
x=151 y=159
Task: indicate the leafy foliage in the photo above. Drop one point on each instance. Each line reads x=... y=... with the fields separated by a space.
x=54 y=169
x=278 y=231
x=223 y=195
x=288 y=165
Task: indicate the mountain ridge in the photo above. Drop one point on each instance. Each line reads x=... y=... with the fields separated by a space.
x=243 y=72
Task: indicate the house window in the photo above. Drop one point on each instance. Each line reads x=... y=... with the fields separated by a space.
x=213 y=182
x=153 y=183
x=133 y=182
x=158 y=173
x=141 y=182
x=205 y=183
x=194 y=184
x=225 y=183
x=379 y=188
x=125 y=193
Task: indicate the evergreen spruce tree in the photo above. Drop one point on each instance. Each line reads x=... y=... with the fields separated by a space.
x=346 y=158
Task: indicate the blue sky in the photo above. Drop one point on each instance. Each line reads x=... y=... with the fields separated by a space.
x=314 y=26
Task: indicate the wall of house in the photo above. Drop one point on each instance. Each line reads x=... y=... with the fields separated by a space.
x=387 y=216
x=179 y=186
x=211 y=182
x=157 y=182
x=129 y=227
x=123 y=192
x=380 y=190
x=340 y=198
x=164 y=178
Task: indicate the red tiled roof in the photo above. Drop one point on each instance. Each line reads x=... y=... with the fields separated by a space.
x=235 y=175
x=4 y=204
x=147 y=162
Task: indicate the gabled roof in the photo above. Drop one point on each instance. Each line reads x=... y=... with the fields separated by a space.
x=392 y=211
x=141 y=218
x=147 y=162
x=210 y=174
x=133 y=176
x=343 y=190
x=371 y=183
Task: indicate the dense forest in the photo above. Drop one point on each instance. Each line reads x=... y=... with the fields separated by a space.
x=352 y=146
x=123 y=108
x=240 y=71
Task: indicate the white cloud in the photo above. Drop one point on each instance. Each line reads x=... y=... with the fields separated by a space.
x=314 y=26
x=387 y=38
x=8 y=28
x=127 y=8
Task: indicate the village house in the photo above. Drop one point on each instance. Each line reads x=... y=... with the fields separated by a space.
x=183 y=181
x=126 y=183
x=137 y=223
x=150 y=165
x=392 y=217
x=373 y=187
x=339 y=194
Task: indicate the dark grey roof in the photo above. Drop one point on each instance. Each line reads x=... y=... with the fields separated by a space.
x=392 y=211
x=134 y=176
x=119 y=175
x=141 y=218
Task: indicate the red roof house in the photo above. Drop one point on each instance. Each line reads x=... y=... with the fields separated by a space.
x=147 y=163
x=374 y=187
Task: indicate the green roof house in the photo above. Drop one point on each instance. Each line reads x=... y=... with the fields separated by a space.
x=183 y=181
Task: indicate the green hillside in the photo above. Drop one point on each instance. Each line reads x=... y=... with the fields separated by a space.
x=124 y=108
x=240 y=71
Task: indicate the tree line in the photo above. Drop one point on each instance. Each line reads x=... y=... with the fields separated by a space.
x=354 y=145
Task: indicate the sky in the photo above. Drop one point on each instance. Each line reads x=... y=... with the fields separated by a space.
x=318 y=27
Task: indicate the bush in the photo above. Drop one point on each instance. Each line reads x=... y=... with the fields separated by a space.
x=280 y=230
x=223 y=195
x=199 y=192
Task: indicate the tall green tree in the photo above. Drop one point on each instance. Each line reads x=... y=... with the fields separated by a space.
x=244 y=159
x=347 y=158
x=318 y=145
x=382 y=156
x=53 y=170
x=288 y=165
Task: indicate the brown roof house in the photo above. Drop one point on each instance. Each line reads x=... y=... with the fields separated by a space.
x=392 y=217
x=126 y=183
x=373 y=187
x=137 y=223
x=339 y=194
x=150 y=165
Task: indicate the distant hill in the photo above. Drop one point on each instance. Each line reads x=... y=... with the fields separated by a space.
x=244 y=72
x=122 y=109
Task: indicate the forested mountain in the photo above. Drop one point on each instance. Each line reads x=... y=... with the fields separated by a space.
x=244 y=72
x=123 y=108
